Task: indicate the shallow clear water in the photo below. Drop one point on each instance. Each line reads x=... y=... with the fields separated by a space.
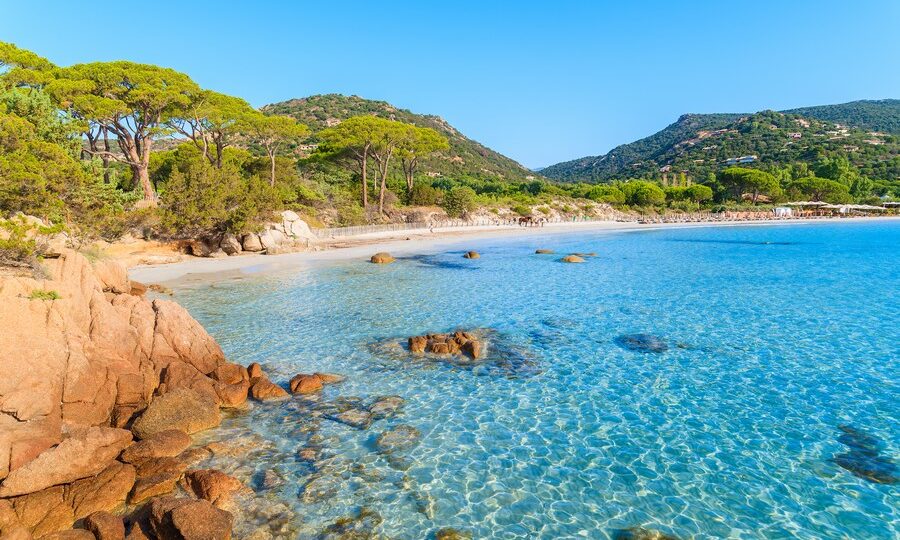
x=776 y=336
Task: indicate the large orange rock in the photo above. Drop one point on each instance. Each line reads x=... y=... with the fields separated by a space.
x=182 y=408
x=262 y=389
x=93 y=357
x=306 y=384
x=168 y=443
x=212 y=485
x=188 y=519
x=105 y=526
x=58 y=507
x=382 y=258
x=84 y=453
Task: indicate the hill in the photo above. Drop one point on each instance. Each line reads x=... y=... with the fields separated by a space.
x=465 y=157
x=698 y=144
x=881 y=115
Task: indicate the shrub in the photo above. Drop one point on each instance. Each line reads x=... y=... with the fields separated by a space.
x=205 y=200
x=606 y=194
x=425 y=195
x=643 y=193
x=458 y=201
x=522 y=210
x=40 y=294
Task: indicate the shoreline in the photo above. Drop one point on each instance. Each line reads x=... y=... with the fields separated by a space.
x=406 y=242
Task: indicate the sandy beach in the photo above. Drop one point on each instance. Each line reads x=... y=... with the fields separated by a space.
x=407 y=242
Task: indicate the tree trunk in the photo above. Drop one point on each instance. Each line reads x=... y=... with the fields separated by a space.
x=381 y=195
x=141 y=173
x=106 y=156
x=272 y=170
x=384 y=173
x=365 y=183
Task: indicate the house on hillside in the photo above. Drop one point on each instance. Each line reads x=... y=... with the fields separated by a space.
x=795 y=135
x=743 y=159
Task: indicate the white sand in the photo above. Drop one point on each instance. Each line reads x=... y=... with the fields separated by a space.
x=418 y=241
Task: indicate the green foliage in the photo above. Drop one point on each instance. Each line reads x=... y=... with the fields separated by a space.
x=699 y=193
x=202 y=200
x=874 y=115
x=425 y=195
x=702 y=144
x=606 y=194
x=17 y=242
x=739 y=181
x=642 y=193
x=819 y=189
x=458 y=201
x=522 y=210
x=40 y=294
x=464 y=157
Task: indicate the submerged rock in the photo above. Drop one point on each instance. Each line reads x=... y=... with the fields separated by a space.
x=382 y=258
x=356 y=418
x=319 y=487
x=640 y=533
x=472 y=255
x=386 y=406
x=864 y=458
x=572 y=259
x=645 y=343
x=449 y=533
x=874 y=468
x=398 y=439
x=359 y=527
x=544 y=252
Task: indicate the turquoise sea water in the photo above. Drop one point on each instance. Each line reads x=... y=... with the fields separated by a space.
x=776 y=337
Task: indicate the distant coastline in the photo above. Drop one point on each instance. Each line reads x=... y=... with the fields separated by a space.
x=406 y=242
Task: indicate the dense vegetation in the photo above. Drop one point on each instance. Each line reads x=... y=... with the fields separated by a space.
x=871 y=115
x=698 y=145
x=463 y=157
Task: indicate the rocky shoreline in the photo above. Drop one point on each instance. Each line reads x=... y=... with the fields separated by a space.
x=104 y=393
x=102 y=389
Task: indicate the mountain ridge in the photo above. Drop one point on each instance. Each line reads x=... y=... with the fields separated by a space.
x=673 y=146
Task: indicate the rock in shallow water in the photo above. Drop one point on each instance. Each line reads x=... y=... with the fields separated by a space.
x=864 y=458
x=359 y=527
x=449 y=533
x=640 y=533
x=645 y=343
x=386 y=406
x=319 y=487
x=398 y=439
x=357 y=418
x=382 y=258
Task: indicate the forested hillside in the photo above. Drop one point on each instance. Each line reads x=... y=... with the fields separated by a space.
x=465 y=156
x=700 y=144
x=874 y=115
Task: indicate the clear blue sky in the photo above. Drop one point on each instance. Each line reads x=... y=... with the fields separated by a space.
x=539 y=81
